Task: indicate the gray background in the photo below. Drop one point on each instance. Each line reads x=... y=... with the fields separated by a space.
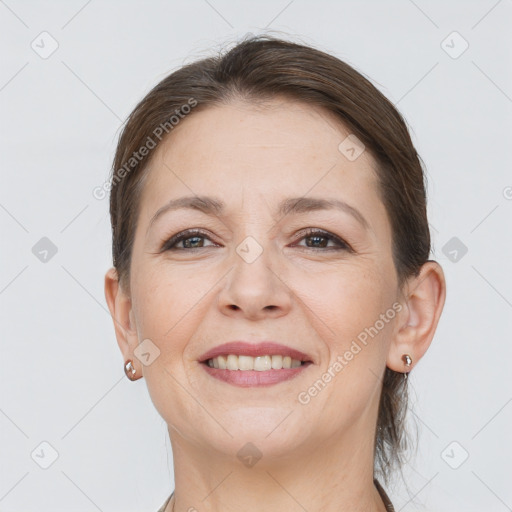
x=61 y=375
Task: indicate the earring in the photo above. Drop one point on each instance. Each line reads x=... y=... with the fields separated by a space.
x=130 y=370
x=406 y=358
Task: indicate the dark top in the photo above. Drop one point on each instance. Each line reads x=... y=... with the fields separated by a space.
x=382 y=492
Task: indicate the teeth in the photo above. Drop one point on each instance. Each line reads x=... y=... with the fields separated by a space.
x=244 y=363
x=232 y=363
x=260 y=363
x=222 y=362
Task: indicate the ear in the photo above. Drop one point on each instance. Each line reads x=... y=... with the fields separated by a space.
x=120 y=306
x=423 y=301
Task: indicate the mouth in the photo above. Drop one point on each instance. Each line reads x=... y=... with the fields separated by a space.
x=266 y=355
x=234 y=362
x=246 y=365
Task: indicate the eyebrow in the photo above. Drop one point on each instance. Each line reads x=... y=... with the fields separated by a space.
x=290 y=206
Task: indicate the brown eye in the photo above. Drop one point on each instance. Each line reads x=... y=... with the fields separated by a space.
x=320 y=239
x=191 y=240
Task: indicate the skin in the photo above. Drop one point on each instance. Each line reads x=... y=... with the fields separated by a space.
x=316 y=456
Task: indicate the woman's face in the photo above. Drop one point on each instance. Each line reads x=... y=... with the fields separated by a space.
x=254 y=275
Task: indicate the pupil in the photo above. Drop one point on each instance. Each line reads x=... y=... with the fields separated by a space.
x=316 y=238
x=187 y=241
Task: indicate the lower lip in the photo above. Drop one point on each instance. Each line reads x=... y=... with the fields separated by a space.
x=253 y=378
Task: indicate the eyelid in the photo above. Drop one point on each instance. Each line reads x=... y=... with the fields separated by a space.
x=167 y=243
x=341 y=245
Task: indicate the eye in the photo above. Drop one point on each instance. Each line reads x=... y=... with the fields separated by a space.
x=319 y=240
x=191 y=238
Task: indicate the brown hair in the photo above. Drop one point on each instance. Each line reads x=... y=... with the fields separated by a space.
x=260 y=68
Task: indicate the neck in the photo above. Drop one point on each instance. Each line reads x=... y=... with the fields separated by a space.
x=335 y=475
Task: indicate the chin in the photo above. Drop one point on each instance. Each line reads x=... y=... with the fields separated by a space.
x=271 y=430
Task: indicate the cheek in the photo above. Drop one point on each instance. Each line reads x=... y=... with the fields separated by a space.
x=164 y=300
x=348 y=304
x=346 y=307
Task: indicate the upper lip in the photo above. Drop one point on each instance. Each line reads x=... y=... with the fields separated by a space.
x=245 y=348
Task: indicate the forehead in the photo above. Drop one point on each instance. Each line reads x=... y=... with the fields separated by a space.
x=278 y=124
x=263 y=146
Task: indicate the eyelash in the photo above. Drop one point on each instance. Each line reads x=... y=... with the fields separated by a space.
x=170 y=244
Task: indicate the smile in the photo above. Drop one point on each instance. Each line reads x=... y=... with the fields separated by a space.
x=260 y=363
x=247 y=371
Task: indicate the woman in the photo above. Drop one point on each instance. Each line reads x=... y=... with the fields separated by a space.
x=271 y=279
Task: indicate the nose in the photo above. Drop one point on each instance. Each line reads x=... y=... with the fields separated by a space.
x=254 y=289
